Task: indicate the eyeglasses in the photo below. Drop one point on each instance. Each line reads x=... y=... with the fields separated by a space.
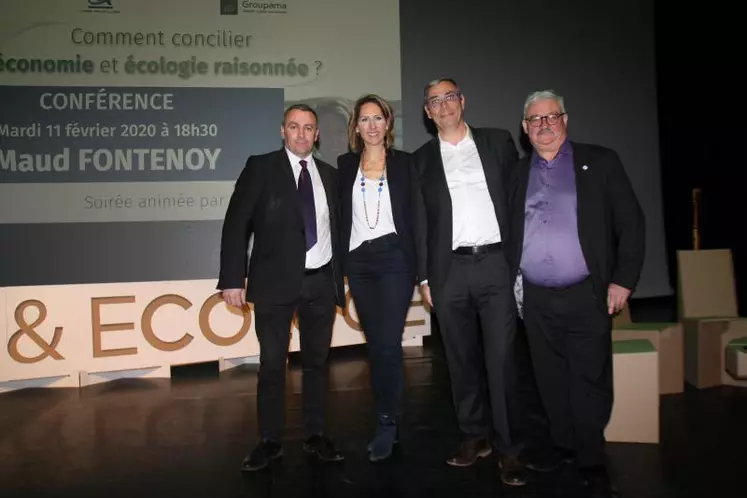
x=447 y=97
x=551 y=119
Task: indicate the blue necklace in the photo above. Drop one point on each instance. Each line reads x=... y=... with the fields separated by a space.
x=382 y=179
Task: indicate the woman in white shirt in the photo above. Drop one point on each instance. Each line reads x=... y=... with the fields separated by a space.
x=378 y=185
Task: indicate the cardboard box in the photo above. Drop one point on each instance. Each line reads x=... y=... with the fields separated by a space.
x=668 y=340
x=736 y=358
x=706 y=341
x=706 y=285
x=635 y=413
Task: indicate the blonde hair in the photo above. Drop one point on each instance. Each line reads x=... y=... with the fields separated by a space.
x=354 y=140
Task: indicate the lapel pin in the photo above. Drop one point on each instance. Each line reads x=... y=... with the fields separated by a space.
x=584 y=167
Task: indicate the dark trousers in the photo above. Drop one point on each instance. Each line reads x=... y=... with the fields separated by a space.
x=476 y=312
x=316 y=314
x=382 y=285
x=571 y=349
x=529 y=421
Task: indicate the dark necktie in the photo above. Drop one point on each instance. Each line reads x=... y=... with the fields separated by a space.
x=306 y=193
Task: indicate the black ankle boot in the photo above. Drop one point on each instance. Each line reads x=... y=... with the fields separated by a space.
x=387 y=435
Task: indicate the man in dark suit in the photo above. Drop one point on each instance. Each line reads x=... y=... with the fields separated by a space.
x=577 y=251
x=288 y=200
x=465 y=275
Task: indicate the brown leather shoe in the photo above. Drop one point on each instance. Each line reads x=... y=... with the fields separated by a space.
x=469 y=451
x=513 y=472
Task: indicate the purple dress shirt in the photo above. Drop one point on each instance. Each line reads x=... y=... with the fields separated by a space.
x=552 y=255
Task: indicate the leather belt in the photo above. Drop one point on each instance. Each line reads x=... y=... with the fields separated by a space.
x=314 y=271
x=475 y=250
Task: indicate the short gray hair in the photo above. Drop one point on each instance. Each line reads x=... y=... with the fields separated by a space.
x=435 y=82
x=543 y=95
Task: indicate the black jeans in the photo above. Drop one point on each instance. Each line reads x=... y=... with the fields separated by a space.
x=382 y=285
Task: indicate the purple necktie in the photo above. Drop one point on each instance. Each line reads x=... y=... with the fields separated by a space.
x=306 y=193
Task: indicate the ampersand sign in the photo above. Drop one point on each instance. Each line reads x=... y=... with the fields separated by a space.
x=26 y=330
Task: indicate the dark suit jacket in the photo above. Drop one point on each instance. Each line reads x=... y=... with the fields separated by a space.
x=497 y=153
x=403 y=186
x=611 y=225
x=265 y=202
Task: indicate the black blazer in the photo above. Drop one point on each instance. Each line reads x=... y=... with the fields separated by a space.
x=265 y=202
x=403 y=186
x=497 y=153
x=611 y=224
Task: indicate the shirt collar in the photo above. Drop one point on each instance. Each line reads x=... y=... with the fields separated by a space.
x=467 y=138
x=294 y=159
x=564 y=151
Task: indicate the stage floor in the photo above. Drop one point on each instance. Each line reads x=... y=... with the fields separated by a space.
x=187 y=436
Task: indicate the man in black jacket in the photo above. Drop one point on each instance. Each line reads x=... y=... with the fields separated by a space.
x=463 y=223
x=577 y=249
x=288 y=200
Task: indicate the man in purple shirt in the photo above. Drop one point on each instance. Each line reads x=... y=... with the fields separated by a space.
x=552 y=255
x=577 y=247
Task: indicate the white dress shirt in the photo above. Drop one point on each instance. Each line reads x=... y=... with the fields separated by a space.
x=473 y=215
x=361 y=231
x=321 y=253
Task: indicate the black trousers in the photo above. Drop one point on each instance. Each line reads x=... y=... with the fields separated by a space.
x=316 y=314
x=476 y=312
x=571 y=349
x=382 y=285
x=529 y=421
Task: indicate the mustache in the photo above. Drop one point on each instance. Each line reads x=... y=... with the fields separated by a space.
x=546 y=130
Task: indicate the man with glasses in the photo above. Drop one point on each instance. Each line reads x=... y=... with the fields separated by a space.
x=465 y=275
x=577 y=248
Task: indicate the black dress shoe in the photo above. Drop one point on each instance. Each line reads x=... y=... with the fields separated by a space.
x=261 y=456
x=469 y=451
x=322 y=448
x=550 y=461
x=598 y=484
x=513 y=472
